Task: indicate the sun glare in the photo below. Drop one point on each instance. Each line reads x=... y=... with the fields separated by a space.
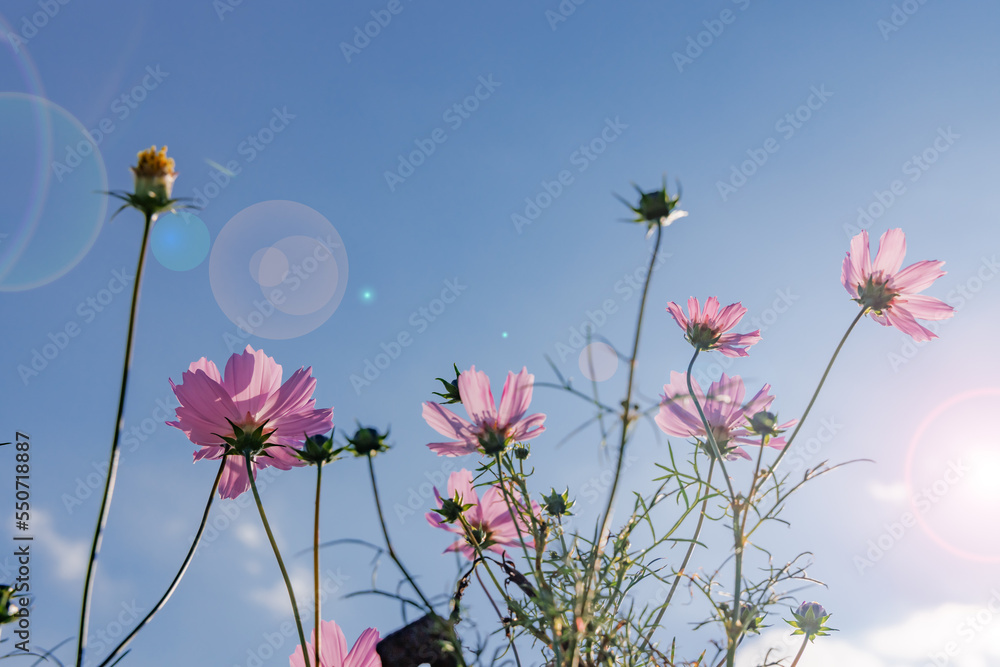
x=984 y=471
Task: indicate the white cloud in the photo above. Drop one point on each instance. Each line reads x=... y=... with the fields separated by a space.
x=250 y=535
x=275 y=598
x=70 y=555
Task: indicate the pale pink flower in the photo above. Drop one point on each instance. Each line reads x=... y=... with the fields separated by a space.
x=333 y=649
x=889 y=294
x=490 y=430
x=727 y=415
x=490 y=517
x=251 y=395
x=706 y=329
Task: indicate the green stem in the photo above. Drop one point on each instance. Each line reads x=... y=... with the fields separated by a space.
x=515 y=514
x=281 y=563
x=388 y=542
x=180 y=573
x=606 y=521
x=109 y=482
x=737 y=621
x=737 y=533
x=716 y=452
x=805 y=640
x=812 y=400
x=316 y=621
x=684 y=563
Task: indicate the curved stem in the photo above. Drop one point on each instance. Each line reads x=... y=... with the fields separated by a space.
x=316 y=621
x=812 y=400
x=388 y=542
x=109 y=482
x=180 y=573
x=281 y=563
x=606 y=521
x=805 y=640
x=716 y=452
x=684 y=563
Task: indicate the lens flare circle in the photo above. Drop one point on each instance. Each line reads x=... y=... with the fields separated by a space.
x=180 y=241
x=278 y=270
x=912 y=457
x=598 y=362
x=269 y=266
x=50 y=197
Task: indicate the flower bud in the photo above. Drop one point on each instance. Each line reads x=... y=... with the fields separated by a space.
x=450 y=394
x=751 y=620
x=317 y=450
x=154 y=183
x=522 y=450
x=766 y=424
x=810 y=619
x=367 y=442
x=154 y=175
x=452 y=509
x=656 y=207
x=558 y=504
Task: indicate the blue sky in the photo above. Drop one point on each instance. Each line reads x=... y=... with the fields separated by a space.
x=841 y=108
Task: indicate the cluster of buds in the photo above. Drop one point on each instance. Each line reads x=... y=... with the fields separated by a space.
x=319 y=449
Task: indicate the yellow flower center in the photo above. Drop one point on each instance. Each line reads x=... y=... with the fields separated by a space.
x=154 y=162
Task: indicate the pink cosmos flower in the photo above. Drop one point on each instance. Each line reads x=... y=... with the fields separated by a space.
x=490 y=431
x=724 y=410
x=333 y=649
x=889 y=294
x=250 y=396
x=706 y=329
x=494 y=525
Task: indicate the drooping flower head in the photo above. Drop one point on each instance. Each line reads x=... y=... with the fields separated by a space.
x=888 y=294
x=490 y=431
x=333 y=649
x=493 y=525
x=248 y=412
x=706 y=329
x=727 y=415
